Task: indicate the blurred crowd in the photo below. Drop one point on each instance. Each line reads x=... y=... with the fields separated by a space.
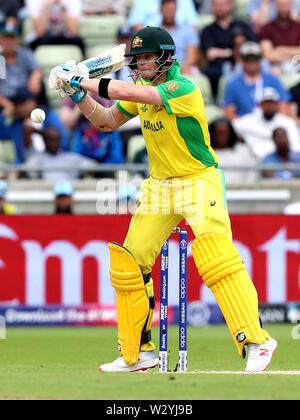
x=244 y=56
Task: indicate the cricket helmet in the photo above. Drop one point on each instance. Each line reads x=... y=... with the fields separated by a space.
x=153 y=40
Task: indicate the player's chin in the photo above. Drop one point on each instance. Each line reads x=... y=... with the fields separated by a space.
x=149 y=75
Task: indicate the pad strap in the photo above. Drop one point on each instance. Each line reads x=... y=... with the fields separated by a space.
x=146 y=334
x=146 y=337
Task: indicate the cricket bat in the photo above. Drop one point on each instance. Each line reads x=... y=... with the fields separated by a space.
x=102 y=64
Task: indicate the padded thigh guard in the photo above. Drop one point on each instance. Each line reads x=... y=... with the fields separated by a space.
x=132 y=301
x=223 y=271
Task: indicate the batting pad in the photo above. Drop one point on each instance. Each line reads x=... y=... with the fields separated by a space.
x=223 y=271
x=132 y=301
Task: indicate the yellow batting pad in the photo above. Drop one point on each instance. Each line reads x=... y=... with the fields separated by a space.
x=132 y=301
x=223 y=271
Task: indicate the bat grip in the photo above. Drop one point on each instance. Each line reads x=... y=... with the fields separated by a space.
x=60 y=84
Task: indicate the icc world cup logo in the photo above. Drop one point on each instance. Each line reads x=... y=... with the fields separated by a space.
x=165 y=246
x=183 y=244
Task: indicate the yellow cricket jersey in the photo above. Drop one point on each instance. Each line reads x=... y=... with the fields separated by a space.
x=176 y=134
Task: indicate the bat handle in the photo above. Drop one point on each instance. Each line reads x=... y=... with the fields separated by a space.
x=60 y=84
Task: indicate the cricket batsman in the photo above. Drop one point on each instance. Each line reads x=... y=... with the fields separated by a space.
x=185 y=183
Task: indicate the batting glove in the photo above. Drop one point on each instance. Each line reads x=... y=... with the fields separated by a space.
x=65 y=73
x=79 y=96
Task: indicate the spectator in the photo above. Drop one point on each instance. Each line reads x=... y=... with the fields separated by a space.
x=230 y=151
x=103 y=147
x=12 y=119
x=234 y=67
x=280 y=38
x=23 y=132
x=282 y=154
x=124 y=36
x=295 y=103
x=55 y=157
x=185 y=37
x=257 y=128
x=145 y=12
x=203 y=7
x=9 y=12
x=22 y=12
x=63 y=202
x=20 y=90
x=105 y=7
x=216 y=39
x=22 y=70
x=55 y=22
x=262 y=12
x=5 y=208
x=33 y=133
x=244 y=92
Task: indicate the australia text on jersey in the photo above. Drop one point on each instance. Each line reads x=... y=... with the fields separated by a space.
x=157 y=126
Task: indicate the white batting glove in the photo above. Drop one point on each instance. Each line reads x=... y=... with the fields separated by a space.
x=65 y=73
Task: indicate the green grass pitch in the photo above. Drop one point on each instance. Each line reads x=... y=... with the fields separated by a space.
x=62 y=363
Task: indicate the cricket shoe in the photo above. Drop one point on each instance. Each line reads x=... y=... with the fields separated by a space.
x=260 y=355
x=147 y=360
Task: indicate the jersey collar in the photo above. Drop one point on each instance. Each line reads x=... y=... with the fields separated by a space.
x=174 y=72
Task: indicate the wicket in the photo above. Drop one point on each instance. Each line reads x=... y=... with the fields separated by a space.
x=163 y=336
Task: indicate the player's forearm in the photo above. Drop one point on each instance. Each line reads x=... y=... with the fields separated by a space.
x=103 y=118
x=93 y=111
x=91 y=85
x=119 y=90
